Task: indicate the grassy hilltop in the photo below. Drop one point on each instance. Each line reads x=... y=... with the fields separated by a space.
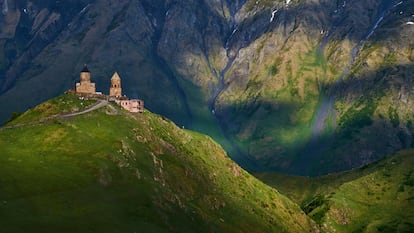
x=114 y=171
x=374 y=198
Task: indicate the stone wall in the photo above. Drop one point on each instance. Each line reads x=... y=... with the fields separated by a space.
x=85 y=87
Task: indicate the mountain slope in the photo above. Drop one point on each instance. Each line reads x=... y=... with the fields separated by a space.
x=112 y=171
x=296 y=93
x=282 y=85
x=375 y=198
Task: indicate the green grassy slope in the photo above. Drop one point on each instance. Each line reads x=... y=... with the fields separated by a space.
x=290 y=93
x=375 y=198
x=281 y=83
x=107 y=172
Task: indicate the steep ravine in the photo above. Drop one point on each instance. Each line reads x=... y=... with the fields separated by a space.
x=239 y=156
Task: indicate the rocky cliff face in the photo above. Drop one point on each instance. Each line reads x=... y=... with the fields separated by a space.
x=299 y=86
x=27 y=28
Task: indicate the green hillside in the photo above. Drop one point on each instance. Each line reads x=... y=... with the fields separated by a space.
x=272 y=81
x=374 y=198
x=113 y=171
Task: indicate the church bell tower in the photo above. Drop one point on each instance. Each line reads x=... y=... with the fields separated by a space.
x=115 y=90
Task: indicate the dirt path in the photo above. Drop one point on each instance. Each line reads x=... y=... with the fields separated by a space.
x=100 y=104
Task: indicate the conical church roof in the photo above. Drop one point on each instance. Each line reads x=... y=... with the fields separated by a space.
x=115 y=76
x=85 y=69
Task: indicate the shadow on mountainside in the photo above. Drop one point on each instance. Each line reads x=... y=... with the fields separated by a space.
x=131 y=31
x=377 y=122
x=38 y=24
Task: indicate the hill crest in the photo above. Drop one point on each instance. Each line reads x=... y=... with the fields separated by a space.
x=120 y=172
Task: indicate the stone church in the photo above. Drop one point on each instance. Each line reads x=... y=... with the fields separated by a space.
x=85 y=86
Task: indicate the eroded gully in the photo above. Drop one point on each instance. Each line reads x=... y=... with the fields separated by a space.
x=237 y=154
x=326 y=105
x=325 y=115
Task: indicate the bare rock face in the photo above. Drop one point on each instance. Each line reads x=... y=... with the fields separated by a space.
x=9 y=18
x=297 y=86
x=27 y=28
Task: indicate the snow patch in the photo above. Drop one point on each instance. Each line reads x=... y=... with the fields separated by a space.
x=374 y=28
x=5 y=7
x=398 y=4
x=287 y=2
x=84 y=9
x=410 y=23
x=273 y=15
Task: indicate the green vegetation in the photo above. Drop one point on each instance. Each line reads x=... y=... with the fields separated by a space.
x=62 y=104
x=374 y=198
x=316 y=208
x=357 y=117
x=271 y=119
x=273 y=69
x=393 y=116
x=278 y=65
x=14 y=116
x=101 y=172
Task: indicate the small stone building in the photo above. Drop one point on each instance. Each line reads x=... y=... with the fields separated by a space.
x=115 y=90
x=133 y=105
x=85 y=86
